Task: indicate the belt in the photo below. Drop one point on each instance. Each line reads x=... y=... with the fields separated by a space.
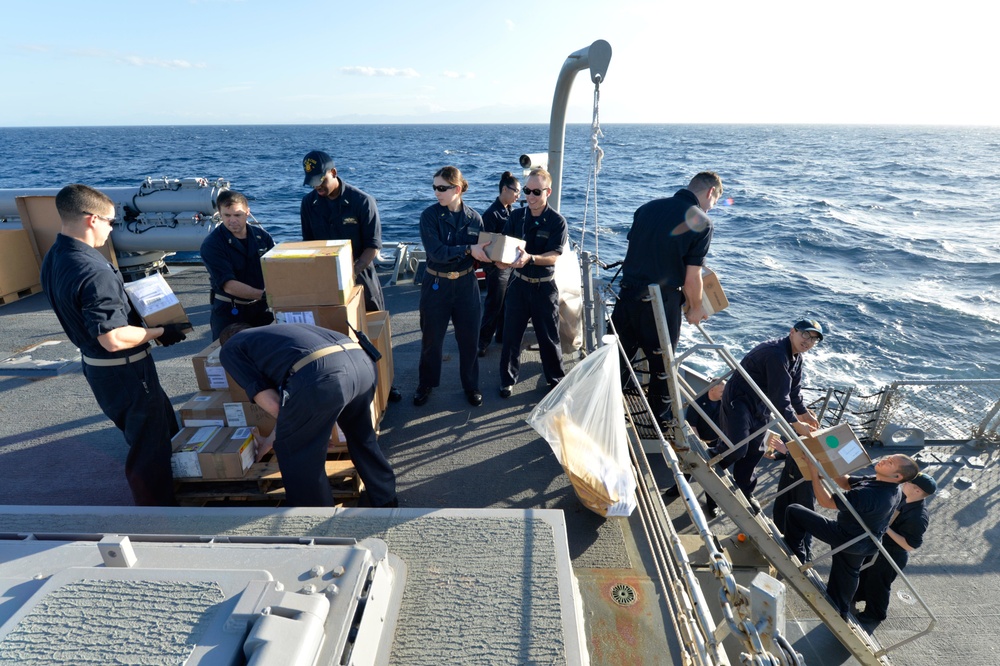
x=320 y=353
x=453 y=275
x=529 y=280
x=107 y=362
x=230 y=299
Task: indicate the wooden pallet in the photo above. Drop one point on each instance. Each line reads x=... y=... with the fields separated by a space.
x=263 y=485
x=18 y=295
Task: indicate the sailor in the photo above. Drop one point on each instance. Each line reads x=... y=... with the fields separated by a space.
x=310 y=378
x=904 y=535
x=775 y=367
x=667 y=245
x=710 y=403
x=88 y=296
x=494 y=221
x=450 y=231
x=232 y=255
x=532 y=292
x=874 y=498
x=336 y=210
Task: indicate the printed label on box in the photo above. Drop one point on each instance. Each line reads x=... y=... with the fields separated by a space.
x=235 y=414
x=203 y=435
x=201 y=423
x=241 y=433
x=850 y=451
x=216 y=377
x=201 y=398
x=151 y=294
x=296 y=318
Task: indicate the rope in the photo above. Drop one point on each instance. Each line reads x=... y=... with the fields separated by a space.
x=596 y=157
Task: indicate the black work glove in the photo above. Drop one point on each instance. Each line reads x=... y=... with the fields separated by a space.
x=172 y=334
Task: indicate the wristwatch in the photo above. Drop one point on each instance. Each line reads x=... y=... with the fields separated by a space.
x=531 y=259
x=468 y=250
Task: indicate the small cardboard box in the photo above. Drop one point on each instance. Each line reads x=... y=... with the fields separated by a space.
x=380 y=332
x=836 y=449
x=211 y=376
x=217 y=408
x=308 y=273
x=229 y=454
x=503 y=249
x=334 y=317
x=18 y=266
x=186 y=446
x=713 y=299
x=156 y=303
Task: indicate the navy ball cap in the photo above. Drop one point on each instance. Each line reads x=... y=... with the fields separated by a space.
x=316 y=164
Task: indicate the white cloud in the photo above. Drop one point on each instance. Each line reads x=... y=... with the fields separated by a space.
x=510 y=24
x=34 y=48
x=458 y=75
x=407 y=72
x=137 y=61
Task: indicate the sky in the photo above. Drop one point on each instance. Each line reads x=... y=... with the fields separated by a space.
x=180 y=62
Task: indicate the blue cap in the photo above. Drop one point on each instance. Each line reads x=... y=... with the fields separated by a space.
x=925 y=482
x=316 y=164
x=810 y=325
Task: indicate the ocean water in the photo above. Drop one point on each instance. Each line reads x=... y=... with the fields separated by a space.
x=888 y=235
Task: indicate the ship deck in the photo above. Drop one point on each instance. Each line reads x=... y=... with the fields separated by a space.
x=482 y=585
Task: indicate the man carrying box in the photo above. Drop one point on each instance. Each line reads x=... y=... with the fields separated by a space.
x=88 y=296
x=874 y=498
x=310 y=378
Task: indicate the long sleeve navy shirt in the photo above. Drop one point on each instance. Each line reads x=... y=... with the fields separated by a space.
x=777 y=372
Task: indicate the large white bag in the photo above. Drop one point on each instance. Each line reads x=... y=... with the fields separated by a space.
x=583 y=420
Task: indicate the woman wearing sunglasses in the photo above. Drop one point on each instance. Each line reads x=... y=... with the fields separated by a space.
x=494 y=220
x=449 y=231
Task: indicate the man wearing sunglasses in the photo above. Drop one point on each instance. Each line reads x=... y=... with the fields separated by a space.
x=667 y=245
x=532 y=292
x=88 y=296
x=775 y=367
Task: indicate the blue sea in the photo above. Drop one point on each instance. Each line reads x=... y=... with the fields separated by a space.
x=888 y=235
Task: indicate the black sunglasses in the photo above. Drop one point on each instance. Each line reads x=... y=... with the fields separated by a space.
x=528 y=191
x=109 y=220
x=444 y=188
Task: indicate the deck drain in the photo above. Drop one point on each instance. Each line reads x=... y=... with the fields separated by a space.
x=624 y=595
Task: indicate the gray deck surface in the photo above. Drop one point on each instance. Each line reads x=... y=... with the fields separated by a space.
x=56 y=448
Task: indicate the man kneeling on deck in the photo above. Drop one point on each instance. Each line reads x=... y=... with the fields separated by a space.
x=874 y=498
x=309 y=378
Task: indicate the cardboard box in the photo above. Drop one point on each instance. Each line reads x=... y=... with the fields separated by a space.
x=836 y=449
x=229 y=454
x=156 y=302
x=211 y=376
x=334 y=317
x=41 y=220
x=186 y=446
x=713 y=299
x=217 y=408
x=308 y=273
x=502 y=248
x=19 y=268
x=380 y=332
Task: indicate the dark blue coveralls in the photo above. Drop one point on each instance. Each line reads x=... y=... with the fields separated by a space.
x=449 y=292
x=666 y=237
x=533 y=294
x=335 y=388
x=88 y=297
x=700 y=425
x=875 y=502
x=351 y=216
x=494 y=221
x=229 y=258
x=875 y=583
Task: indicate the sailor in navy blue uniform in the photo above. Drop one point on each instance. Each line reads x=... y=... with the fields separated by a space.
x=667 y=245
x=874 y=498
x=335 y=210
x=775 y=367
x=532 y=293
x=494 y=221
x=232 y=255
x=309 y=378
x=88 y=297
x=449 y=231
x=904 y=535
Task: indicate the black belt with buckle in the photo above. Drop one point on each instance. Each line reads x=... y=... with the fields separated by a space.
x=453 y=275
x=531 y=280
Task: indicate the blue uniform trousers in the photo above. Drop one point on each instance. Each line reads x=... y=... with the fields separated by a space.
x=255 y=314
x=737 y=420
x=443 y=300
x=337 y=388
x=802 y=494
x=131 y=396
x=496 y=290
x=539 y=303
x=875 y=583
x=374 y=299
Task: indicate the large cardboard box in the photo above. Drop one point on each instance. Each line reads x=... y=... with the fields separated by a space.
x=186 y=445
x=211 y=376
x=713 y=298
x=836 y=449
x=380 y=332
x=19 y=268
x=502 y=248
x=156 y=302
x=229 y=454
x=308 y=273
x=41 y=220
x=334 y=317
x=217 y=408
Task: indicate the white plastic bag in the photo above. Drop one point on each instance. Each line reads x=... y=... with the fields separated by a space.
x=570 y=283
x=583 y=420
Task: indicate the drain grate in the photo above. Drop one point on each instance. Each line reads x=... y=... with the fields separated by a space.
x=624 y=595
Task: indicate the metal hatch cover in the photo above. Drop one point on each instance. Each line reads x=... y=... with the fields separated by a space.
x=197 y=600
